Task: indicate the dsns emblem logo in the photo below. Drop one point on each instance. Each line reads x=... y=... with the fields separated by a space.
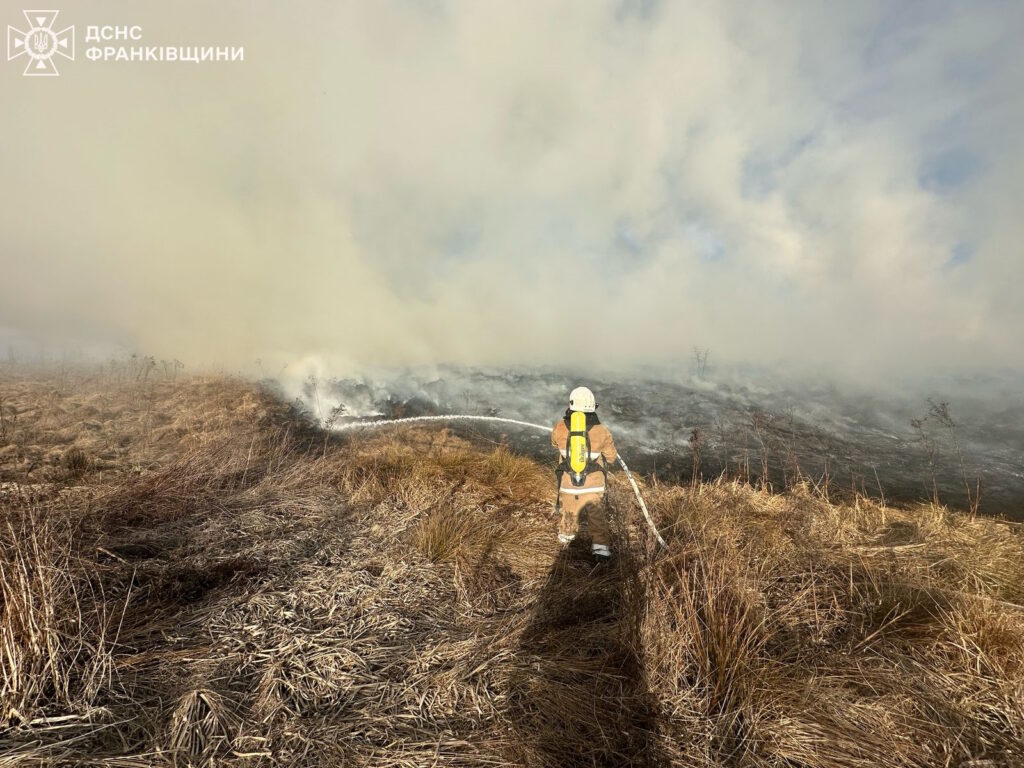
x=40 y=43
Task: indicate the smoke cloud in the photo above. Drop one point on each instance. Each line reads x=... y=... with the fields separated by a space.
x=403 y=183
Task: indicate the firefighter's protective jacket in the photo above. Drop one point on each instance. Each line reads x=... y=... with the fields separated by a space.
x=601 y=446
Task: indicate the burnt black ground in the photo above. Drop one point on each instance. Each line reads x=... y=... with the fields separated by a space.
x=858 y=438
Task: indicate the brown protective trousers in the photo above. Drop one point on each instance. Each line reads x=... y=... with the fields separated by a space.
x=591 y=503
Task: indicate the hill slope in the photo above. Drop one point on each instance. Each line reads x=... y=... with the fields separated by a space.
x=191 y=576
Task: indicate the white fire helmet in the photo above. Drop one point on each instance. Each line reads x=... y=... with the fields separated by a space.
x=582 y=399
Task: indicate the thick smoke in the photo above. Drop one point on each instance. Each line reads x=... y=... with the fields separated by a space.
x=485 y=183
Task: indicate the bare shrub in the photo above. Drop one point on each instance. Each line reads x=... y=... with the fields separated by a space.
x=75 y=462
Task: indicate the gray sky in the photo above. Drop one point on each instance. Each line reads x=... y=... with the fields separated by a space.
x=415 y=182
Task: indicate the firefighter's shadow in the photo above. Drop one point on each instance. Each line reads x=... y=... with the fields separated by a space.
x=579 y=695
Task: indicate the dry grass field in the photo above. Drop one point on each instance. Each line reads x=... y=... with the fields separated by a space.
x=190 y=575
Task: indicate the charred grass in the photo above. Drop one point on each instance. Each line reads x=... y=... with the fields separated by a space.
x=191 y=575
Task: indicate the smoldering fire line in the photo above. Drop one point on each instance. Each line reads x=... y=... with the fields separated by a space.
x=498 y=419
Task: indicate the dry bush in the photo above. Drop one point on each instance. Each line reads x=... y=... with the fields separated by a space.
x=76 y=462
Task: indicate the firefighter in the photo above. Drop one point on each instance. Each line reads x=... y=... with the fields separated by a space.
x=587 y=450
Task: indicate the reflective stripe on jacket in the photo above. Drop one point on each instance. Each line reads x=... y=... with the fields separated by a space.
x=594 y=455
x=583 y=490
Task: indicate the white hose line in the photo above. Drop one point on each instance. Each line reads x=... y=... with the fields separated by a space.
x=643 y=506
x=377 y=422
x=465 y=417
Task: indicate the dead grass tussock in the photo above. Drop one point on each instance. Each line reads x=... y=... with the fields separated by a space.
x=55 y=636
x=856 y=635
x=201 y=727
x=219 y=585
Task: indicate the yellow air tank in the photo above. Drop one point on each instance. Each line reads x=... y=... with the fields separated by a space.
x=579 y=446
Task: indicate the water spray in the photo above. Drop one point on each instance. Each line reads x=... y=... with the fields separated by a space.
x=500 y=420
